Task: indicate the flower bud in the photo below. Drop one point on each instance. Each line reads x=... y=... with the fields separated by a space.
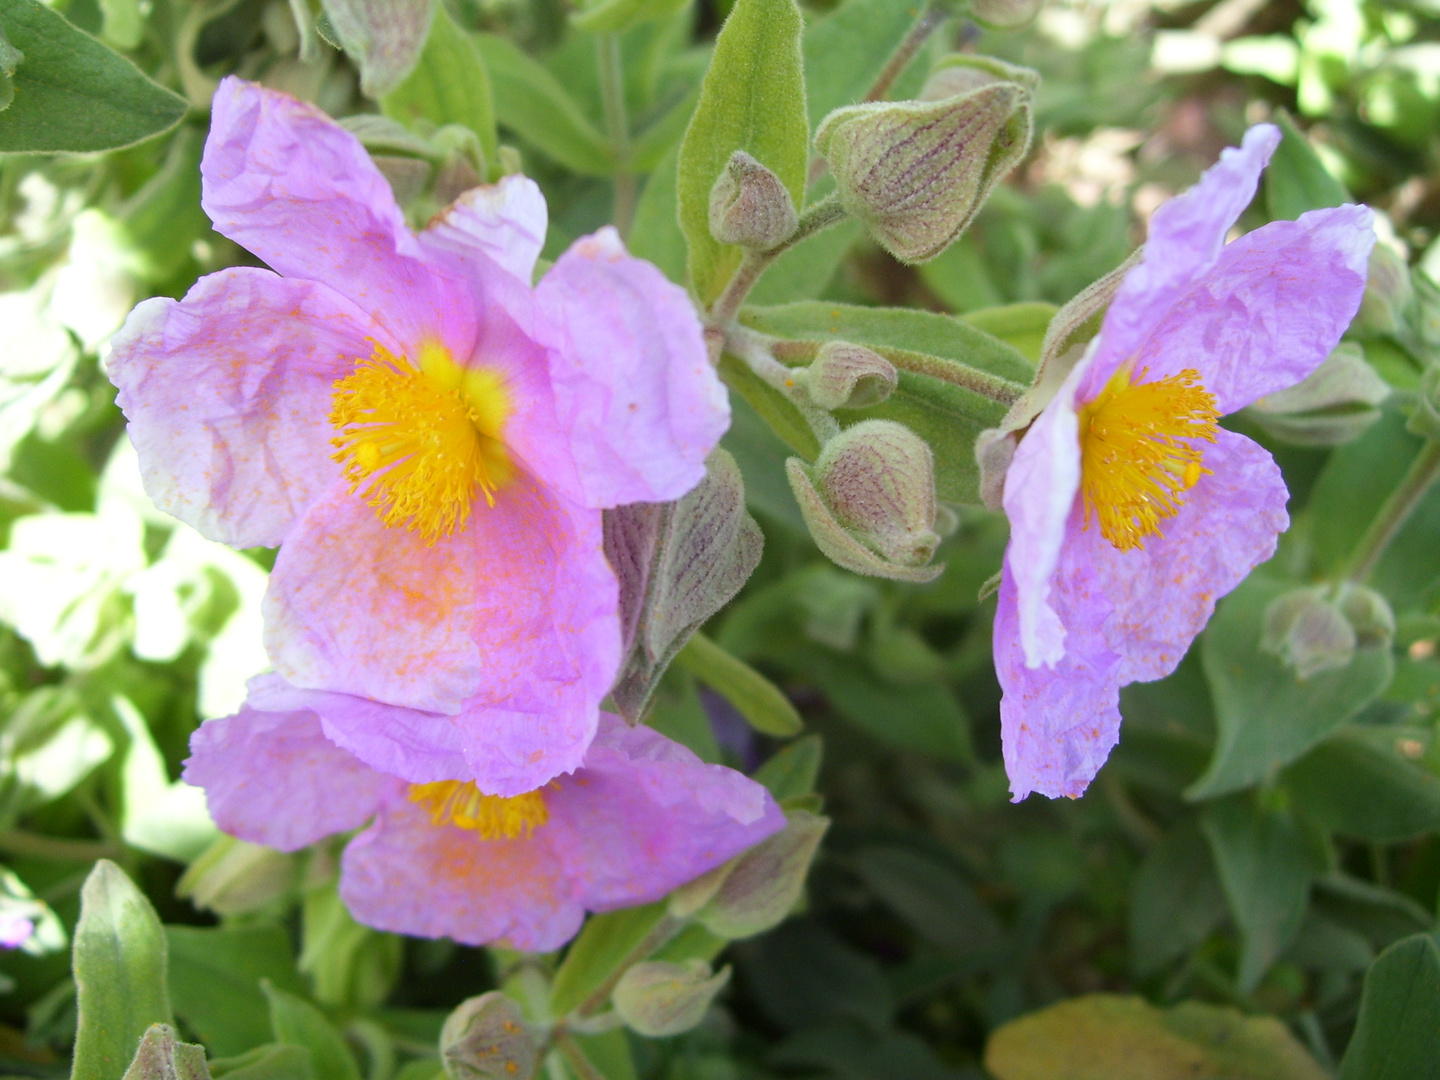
x=960 y=73
x=231 y=877
x=869 y=501
x=845 y=376
x=656 y=998
x=1367 y=612
x=161 y=1056
x=756 y=890
x=916 y=172
x=1332 y=406
x=1307 y=632
x=1389 y=295
x=1004 y=14
x=749 y=205
x=485 y=1039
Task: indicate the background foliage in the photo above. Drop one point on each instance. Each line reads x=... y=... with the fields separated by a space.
x=1255 y=842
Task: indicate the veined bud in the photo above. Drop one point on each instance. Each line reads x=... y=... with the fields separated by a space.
x=1318 y=629
x=749 y=205
x=916 y=172
x=1389 y=295
x=485 y=1039
x=1336 y=403
x=960 y=73
x=656 y=998
x=1425 y=420
x=845 y=376
x=756 y=890
x=869 y=501
x=1004 y=14
x=231 y=877
x=162 y=1056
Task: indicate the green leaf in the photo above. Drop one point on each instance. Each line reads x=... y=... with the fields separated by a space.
x=1399 y=1026
x=268 y=1062
x=610 y=1054
x=1109 y=1037
x=655 y=234
x=604 y=942
x=119 y=973
x=1176 y=900
x=762 y=704
x=792 y=769
x=778 y=412
x=803 y=272
x=532 y=103
x=72 y=94
x=216 y=976
x=1266 y=717
x=298 y=1023
x=1266 y=865
x=449 y=85
x=1021 y=326
x=1297 y=180
x=933 y=898
x=1357 y=783
x=613 y=16
x=846 y=50
x=124 y=23
x=10 y=58
x=752 y=99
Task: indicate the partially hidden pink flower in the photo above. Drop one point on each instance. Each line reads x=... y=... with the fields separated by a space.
x=640 y=816
x=15 y=929
x=429 y=440
x=1131 y=511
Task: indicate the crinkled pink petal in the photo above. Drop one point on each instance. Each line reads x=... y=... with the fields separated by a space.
x=512 y=623
x=1057 y=724
x=505 y=222
x=227 y=393
x=634 y=389
x=408 y=875
x=416 y=746
x=273 y=778
x=1270 y=310
x=1186 y=237
x=1040 y=488
x=1164 y=594
x=646 y=815
x=285 y=181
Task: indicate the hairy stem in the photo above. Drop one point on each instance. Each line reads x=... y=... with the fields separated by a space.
x=663 y=931
x=1396 y=511
x=756 y=351
x=931 y=19
x=575 y=1057
x=611 y=67
x=754 y=263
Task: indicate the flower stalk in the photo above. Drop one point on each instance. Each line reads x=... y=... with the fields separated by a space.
x=820 y=215
x=1396 y=511
x=610 y=63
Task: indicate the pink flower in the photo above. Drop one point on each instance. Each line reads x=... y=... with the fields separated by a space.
x=429 y=440
x=641 y=816
x=1130 y=510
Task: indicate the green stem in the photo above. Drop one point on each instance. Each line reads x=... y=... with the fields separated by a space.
x=575 y=1057
x=611 y=66
x=930 y=20
x=755 y=350
x=1396 y=511
x=56 y=849
x=820 y=216
x=663 y=931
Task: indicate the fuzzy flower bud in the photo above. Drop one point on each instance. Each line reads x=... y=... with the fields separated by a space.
x=1389 y=295
x=161 y=1056
x=960 y=73
x=1333 y=405
x=1004 y=14
x=916 y=172
x=869 y=501
x=232 y=877
x=845 y=376
x=485 y=1039
x=656 y=998
x=1318 y=629
x=749 y=205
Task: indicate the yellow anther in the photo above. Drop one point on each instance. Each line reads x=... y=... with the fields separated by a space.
x=461 y=803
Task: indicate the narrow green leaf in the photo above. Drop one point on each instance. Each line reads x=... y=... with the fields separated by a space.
x=216 y=977
x=1021 y=326
x=752 y=99
x=532 y=103
x=1175 y=899
x=10 y=58
x=759 y=700
x=1397 y=1036
x=124 y=23
x=655 y=234
x=792 y=769
x=71 y=93
x=1266 y=717
x=119 y=973
x=614 y=16
x=268 y=1062
x=1356 y=783
x=604 y=942
x=846 y=50
x=449 y=85
x=1297 y=179
x=298 y=1023
x=1266 y=864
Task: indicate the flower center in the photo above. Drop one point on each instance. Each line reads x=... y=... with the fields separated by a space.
x=417 y=442
x=460 y=803
x=1136 y=462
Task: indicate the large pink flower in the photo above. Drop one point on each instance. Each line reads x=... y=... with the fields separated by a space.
x=641 y=816
x=1131 y=511
x=429 y=440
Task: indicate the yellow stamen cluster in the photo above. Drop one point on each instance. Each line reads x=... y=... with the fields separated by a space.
x=1136 y=461
x=420 y=439
x=460 y=803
